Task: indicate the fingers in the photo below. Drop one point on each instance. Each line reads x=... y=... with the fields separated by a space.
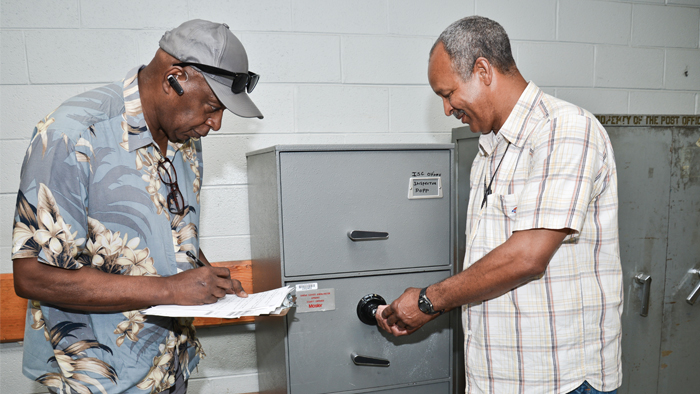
x=238 y=289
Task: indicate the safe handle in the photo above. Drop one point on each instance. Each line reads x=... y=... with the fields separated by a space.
x=645 y=281
x=358 y=235
x=368 y=361
x=693 y=296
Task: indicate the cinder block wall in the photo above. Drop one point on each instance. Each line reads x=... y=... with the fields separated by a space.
x=333 y=71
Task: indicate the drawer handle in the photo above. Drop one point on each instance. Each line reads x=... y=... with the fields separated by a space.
x=357 y=235
x=368 y=361
x=645 y=281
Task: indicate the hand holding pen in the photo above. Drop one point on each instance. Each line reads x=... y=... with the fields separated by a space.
x=194 y=258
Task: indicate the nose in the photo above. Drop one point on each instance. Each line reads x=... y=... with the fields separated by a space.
x=214 y=121
x=447 y=107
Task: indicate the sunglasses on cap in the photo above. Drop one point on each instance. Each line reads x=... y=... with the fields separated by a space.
x=241 y=81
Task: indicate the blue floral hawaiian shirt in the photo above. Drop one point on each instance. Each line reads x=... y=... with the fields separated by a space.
x=90 y=194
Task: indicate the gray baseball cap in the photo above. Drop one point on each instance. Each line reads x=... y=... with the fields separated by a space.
x=213 y=44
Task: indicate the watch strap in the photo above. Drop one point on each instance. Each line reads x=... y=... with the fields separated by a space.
x=423 y=299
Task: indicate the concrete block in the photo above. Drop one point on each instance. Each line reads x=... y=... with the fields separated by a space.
x=386 y=60
x=600 y=22
x=665 y=26
x=225 y=160
x=147 y=41
x=624 y=67
x=342 y=109
x=659 y=102
x=226 y=248
x=557 y=64
x=682 y=69
x=245 y=15
x=540 y=23
x=23 y=106
x=426 y=18
x=13 y=63
x=11 y=163
x=276 y=102
x=230 y=351
x=340 y=16
x=597 y=101
x=224 y=211
x=7 y=217
x=550 y=91
x=418 y=109
x=41 y=14
x=294 y=57
x=646 y=1
x=133 y=14
x=70 y=56
x=685 y=2
x=238 y=384
x=12 y=379
x=5 y=268
x=399 y=138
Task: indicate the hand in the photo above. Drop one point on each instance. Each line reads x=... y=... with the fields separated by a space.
x=382 y=323
x=403 y=317
x=204 y=285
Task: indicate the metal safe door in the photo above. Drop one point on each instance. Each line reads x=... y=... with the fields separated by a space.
x=321 y=343
x=680 y=343
x=643 y=159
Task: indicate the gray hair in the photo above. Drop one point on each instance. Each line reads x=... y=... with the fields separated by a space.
x=476 y=36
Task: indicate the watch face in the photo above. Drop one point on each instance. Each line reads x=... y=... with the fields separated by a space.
x=424 y=306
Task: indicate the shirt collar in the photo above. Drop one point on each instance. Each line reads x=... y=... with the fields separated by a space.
x=136 y=132
x=515 y=129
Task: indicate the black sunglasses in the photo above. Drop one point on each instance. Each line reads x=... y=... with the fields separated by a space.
x=241 y=81
x=176 y=203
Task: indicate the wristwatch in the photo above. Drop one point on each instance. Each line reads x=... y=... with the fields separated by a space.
x=425 y=305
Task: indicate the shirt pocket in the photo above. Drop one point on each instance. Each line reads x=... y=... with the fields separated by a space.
x=503 y=205
x=496 y=222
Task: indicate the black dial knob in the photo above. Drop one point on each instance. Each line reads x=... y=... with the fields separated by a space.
x=367 y=308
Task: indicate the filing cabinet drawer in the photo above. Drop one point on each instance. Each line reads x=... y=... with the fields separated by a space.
x=321 y=343
x=327 y=195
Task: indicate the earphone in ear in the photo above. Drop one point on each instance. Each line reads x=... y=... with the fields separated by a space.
x=175 y=84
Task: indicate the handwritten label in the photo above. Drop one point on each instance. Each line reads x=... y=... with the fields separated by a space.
x=649 y=120
x=318 y=300
x=425 y=187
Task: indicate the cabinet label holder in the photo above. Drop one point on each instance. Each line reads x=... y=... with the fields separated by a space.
x=424 y=187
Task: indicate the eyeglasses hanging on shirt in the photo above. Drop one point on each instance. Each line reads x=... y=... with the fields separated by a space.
x=487 y=189
x=176 y=203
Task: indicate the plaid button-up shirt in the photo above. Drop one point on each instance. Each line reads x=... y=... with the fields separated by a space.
x=557 y=171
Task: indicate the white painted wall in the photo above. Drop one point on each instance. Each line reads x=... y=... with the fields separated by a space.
x=333 y=71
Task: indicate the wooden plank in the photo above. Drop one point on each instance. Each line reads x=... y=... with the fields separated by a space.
x=13 y=309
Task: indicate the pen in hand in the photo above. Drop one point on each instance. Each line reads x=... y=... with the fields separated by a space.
x=195 y=259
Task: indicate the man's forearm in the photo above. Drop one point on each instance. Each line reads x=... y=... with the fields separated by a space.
x=522 y=258
x=87 y=289
x=91 y=290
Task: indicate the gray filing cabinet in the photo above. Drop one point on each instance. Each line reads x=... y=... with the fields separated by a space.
x=305 y=202
x=658 y=170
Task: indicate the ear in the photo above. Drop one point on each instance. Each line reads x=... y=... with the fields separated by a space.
x=483 y=70
x=167 y=86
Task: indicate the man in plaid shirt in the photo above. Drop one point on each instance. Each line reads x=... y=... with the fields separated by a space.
x=541 y=288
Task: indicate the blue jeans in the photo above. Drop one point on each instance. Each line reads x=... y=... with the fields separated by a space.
x=586 y=388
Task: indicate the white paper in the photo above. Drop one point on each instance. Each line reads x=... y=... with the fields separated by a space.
x=231 y=306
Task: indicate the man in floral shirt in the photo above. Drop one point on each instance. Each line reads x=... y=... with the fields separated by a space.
x=108 y=208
